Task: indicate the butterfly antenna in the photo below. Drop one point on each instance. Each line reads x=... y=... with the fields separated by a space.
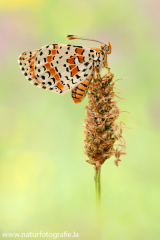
x=71 y=37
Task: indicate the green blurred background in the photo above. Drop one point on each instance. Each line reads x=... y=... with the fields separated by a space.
x=45 y=183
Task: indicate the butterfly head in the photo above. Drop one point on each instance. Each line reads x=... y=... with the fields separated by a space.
x=107 y=48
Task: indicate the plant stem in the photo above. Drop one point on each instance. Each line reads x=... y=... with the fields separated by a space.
x=98 y=186
x=98 y=198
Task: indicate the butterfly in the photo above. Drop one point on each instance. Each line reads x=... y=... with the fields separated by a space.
x=61 y=68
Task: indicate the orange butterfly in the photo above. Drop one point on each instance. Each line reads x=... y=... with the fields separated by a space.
x=62 y=68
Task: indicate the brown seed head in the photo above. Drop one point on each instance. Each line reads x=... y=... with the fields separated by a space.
x=103 y=136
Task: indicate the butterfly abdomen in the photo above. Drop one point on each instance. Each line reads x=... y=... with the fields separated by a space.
x=79 y=93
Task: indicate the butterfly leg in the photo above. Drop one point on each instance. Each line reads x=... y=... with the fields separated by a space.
x=98 y=72
x=106 y=61
x=93 y=76
x=79 y=92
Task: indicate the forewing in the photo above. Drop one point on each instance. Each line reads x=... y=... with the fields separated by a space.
x=60 y=68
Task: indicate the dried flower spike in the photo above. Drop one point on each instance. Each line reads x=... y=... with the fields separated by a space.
x=103 y=135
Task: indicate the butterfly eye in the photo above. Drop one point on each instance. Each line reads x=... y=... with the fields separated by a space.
x=106 y=48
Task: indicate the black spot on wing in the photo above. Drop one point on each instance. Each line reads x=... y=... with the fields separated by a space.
x=48 y=73
x=86 y=64
x=73 y=82
x=67 y=78
x=68 y=86
x=77 y=46
x=77 y=76
x=54 y=80
x=54 y=45
x=63 y=83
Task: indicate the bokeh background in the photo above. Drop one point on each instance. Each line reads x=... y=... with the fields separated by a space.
x=45 y=183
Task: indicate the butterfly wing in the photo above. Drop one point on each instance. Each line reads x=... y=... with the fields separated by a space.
x=27 y=63
x=59 y=67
